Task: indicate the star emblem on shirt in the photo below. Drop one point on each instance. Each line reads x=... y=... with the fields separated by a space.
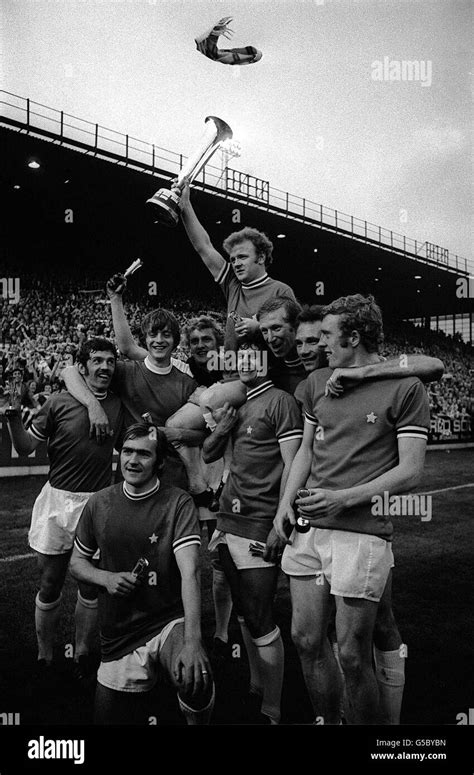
x=371 y=417
x=249 y=430
x=153 y=538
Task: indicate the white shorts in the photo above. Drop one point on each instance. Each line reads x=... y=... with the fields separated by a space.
x=239 y=550
x=54 y=519
x=354 y=564
x=138 y=671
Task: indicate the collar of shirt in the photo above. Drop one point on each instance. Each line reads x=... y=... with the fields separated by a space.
x=157 y=369
x=256 y=283
x=259 y=389
x=100 y=395
x=141 y=495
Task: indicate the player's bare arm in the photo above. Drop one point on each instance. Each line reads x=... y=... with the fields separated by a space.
x=98 y=420
x=402 y=478
x=424 y=367
x=123 y=336
x=120 y=584
x=297 y=477
x=215 y=445
x=198 y=236
x=275 y=545
x=192 y=669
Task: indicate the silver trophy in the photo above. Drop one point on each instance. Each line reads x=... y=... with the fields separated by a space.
x=166 y=202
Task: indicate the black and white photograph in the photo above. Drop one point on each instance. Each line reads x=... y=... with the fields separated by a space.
x=236 y=382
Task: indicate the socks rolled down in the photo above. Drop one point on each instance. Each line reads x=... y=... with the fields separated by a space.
x=46 y=621
x=198 y=717
x=272 y=657
x=86 y=624
x=390 y=674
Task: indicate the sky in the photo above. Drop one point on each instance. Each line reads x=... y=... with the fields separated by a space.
x=311 y=116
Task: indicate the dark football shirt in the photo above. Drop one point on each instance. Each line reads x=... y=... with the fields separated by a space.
x=77 y=463
x=249 y=501
x=356 y=436
x=144 y=390
x=246 y=298
x=124 y=527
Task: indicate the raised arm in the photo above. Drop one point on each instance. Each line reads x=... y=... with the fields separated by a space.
x=125 y=341
x=23 y=441
x=198 y=236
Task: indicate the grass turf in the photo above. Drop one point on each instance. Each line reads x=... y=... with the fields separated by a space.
x=432 y=605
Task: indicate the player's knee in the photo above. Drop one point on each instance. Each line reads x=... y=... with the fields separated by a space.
x=306 y=641
x=259 y=621
x=51 y=584
x=50 y=588
x=352 y=658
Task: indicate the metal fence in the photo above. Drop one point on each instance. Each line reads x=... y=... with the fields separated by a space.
x=33 y=117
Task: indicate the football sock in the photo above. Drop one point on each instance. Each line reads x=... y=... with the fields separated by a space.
x=272 y=658
x=253 y=657
x=222 y=603
x=86 y=624
x=197 y=717
x=390 y=674
x=46 y=620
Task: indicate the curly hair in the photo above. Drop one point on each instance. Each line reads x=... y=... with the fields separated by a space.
x=359 y=313
x=263 y=245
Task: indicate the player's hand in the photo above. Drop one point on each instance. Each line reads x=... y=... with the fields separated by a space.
x=283 y=522
x=172 y=434
x=274 y=547
x=116 y=285
x=182 y=192
x=321 y=503
x=121 y=584
x=246 y=327
x=333 y=384
x=192 y=670
x=227 y=419
x=99 y=424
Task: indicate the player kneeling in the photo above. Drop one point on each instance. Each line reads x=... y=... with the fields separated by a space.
x=151 y=619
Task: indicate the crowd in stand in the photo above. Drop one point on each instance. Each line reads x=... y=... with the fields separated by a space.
x=42 y=333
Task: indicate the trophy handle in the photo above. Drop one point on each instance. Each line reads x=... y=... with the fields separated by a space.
x=224 y=132
x=165 y=202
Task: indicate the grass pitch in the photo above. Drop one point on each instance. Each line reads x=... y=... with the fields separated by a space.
x=432 y=604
